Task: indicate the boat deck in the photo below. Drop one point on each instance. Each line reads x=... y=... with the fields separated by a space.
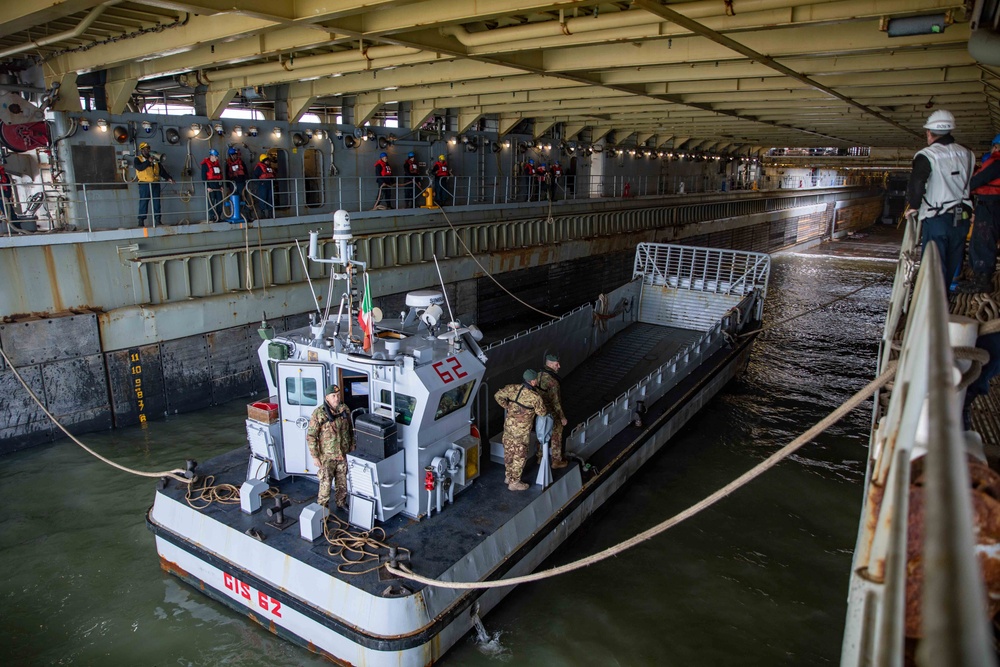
x=478 y=511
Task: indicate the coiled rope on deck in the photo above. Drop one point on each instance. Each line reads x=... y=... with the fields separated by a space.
x=200 y=497
x=739 y=482
x=358 y=550
x=175 y=474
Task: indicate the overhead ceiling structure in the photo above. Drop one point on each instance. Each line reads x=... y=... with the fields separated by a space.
x=705 y=73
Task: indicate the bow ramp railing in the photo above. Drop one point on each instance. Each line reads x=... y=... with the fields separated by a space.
x=904 y=588
x=691 y=288
x=716 y=292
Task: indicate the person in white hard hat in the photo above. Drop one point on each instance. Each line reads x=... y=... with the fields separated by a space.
x=938 y=192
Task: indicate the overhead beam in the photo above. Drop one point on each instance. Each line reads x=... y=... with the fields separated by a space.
x=694 y=26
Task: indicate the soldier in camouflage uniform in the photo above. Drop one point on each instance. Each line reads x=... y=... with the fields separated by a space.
x=330 y=437
x=522 y=402
x=549 y=387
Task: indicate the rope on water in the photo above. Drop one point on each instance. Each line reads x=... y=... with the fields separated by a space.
x=175 y=474
x=777 y=324
x=741 y=481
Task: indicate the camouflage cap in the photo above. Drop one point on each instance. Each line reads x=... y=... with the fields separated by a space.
x=332 y=389
x=551 y=356
x=529 y=375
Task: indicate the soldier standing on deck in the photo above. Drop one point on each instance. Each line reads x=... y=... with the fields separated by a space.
x=549 y=386
x=522 y=402
x=330 y=437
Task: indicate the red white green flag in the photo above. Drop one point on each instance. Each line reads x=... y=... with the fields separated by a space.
x=365 y=314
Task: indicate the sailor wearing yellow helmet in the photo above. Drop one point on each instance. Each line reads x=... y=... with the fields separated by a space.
x=442 y=181
x=264 y=175
x=149 y=172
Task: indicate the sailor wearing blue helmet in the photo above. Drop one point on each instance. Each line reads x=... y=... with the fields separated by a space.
x=211 y=173
x=412 y=170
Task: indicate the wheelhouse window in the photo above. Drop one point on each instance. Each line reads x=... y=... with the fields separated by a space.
x=405 y=405
x=301 y=391
x=454 y=399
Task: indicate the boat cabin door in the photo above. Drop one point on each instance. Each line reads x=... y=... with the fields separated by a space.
x=300 y=391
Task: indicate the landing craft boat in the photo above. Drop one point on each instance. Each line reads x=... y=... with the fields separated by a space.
x=425 y=489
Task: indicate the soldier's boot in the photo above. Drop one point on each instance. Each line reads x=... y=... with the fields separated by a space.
x=561 y=463
x=517 y=486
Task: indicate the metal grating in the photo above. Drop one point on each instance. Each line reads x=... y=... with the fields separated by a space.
x=692 y=287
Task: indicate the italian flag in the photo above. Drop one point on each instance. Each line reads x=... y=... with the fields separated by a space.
x=365 y=314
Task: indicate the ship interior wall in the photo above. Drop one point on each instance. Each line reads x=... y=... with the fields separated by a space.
x=89 y=388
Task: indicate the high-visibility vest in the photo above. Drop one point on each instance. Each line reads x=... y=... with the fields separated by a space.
x=440 y=169
x=149 y=175
x=948 y=184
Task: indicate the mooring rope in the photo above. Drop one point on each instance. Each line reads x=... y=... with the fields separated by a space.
x=741 y=481
x=490 y=275
x=175 y=474
x=779 y=323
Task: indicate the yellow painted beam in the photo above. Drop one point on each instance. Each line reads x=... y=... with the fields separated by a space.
x=218 y=101
x=508 y=122
x=466 y=119
x=69 y=95
x=420 y=114
x=118 y=93
x=363 y=111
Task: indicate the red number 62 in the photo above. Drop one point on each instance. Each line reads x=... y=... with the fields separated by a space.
x=446 y=373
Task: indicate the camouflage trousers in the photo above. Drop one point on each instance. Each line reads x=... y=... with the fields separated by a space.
x=515 y=451
x=556 y=453
x=335 y=471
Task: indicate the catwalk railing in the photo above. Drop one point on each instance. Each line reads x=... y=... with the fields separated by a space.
x=921 y=421
x=116 y=205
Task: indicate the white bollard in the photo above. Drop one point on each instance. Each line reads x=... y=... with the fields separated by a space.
x=311 y=521
x=250 y=494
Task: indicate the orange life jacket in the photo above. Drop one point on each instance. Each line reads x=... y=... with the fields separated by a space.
x=236 y=168
x=991 y=189
x=213 y=170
